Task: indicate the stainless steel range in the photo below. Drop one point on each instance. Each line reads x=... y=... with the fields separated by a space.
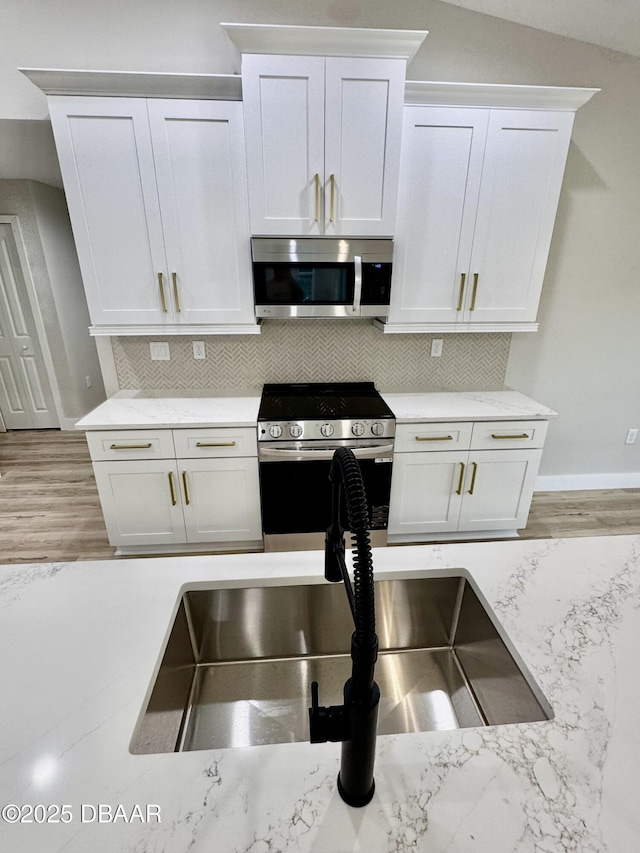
x=299 y=427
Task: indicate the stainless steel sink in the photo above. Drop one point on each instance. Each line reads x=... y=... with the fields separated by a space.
x=238 y=664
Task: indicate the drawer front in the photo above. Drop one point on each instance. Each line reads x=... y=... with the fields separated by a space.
x=131 y=444
x=415 y=438
x=508 y=435
x=219 y=441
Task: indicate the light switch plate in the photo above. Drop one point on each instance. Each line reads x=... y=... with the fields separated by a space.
x=160 y=351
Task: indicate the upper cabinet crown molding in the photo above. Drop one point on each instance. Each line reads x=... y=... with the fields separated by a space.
x=429 y=93
x=285 y=39
x=135 y=84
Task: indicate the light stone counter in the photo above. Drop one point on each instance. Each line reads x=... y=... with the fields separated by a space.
x=174 y=409
x=440 y=406
x=80 y=641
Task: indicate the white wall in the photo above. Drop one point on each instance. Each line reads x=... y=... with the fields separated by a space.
x=584 y=361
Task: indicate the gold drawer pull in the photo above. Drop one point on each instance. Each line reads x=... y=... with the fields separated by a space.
x=460 y=481
x=473 y=477
x=501 y=437
x=463 y=278
x=186 y=490
x=176 y=298
x=131 y=446
x=172 y=490
x=162 y=299
x=475 y=292
x=434 y=438
x=215 y=444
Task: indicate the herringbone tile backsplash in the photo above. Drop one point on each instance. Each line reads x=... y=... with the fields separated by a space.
x=314 y=351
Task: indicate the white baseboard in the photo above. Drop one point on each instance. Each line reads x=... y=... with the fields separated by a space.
x=579 y=482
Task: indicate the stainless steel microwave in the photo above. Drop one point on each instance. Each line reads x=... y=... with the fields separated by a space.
x=321 y=277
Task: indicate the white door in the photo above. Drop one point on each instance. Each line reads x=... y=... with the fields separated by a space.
x=521 y=181
x=283 y=100
x=426 y=492
x=201 y=174
x=104 y=147
x=221 y=498
x=441 y=166
x=363 y=126
x=26 y=401
x=141 y=502
x=498 y=489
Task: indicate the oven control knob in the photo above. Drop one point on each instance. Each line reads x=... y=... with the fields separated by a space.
x=357 y=428
x=377 y=428
x=326 y=430
x=295 y=430
x=275 y=431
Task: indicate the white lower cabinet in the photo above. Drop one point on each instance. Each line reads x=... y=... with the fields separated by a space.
x=467 y=490
x=209 y=495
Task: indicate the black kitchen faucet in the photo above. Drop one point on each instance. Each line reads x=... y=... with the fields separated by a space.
x=354 y=722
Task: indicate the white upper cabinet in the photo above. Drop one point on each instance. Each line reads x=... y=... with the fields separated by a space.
x=157 y=196
x=479 y=191
x=323 y=144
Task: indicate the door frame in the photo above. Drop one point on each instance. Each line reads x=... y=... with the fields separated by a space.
x=14 y=222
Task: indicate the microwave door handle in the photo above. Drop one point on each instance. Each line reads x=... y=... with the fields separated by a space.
x=357 y=284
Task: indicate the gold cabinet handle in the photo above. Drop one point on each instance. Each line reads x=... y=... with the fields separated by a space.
x=131 y=446
x=317 y=196
x=172 y=490
x=215 y=444
x=463 y=278
x=176 y=298
x=473 y=477
x=461 y=480
x=434 y=438
x=508 y=437
x=162 y=299
x=332 y=181
x=476 y=276
x=186 y=490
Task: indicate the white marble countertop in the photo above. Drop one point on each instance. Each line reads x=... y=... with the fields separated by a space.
x=80 y=641
x=175 y=409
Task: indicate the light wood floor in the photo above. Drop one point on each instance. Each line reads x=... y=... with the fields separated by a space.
x=50 y=511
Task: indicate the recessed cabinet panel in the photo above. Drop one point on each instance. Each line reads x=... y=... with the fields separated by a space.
x=424 y=492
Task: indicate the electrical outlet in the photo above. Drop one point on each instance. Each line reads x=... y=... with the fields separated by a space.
x=87 y=379
x=632 y=434
x=436 y=347
x=199 y=350
x=160 y=351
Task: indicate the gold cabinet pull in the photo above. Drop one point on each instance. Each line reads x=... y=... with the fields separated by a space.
x=461 y=480
x=162 y=299
x=473 y=477
x=176 y=298
x=172 y=490
x=434 y=438
x=476 y=276
x=215 y=444
x=131 y=446
x=186 y=490
x=508 y=437
x=317 y=196
x=332 y=181
x=463 y=278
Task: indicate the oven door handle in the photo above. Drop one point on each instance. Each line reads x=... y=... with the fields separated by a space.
x=282 y=454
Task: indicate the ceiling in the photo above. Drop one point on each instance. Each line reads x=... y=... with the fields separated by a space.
x=613 y=24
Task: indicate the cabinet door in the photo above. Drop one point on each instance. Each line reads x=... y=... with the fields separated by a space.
x=284 y=126
x=104 y=147
x=521 y=181
x=426 y=492
x=221 y=499
x=363 y=126
x=441 y=165
x=141 y=502
x=201 y=174
x=498 y=489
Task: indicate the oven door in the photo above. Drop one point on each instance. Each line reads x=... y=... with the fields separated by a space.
x=296 y=491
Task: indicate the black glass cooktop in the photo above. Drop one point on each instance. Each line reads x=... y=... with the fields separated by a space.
x=317 y=400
